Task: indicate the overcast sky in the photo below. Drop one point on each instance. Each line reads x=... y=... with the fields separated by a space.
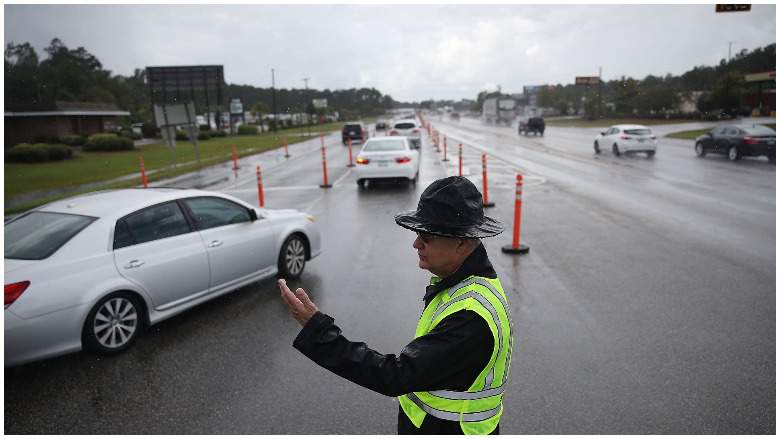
x=410 y=52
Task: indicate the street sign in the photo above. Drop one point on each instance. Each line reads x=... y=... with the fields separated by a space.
x=172 y=115
x=319 y=103
x=586 y=80
x=236 y=107
x=733 y=8
x=763 y=76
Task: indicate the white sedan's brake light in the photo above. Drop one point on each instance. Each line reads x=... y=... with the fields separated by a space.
x=403 y=159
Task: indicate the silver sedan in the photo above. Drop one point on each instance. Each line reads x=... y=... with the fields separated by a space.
x=93 y=270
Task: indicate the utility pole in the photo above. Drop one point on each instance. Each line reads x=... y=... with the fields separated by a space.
x=730 y=43
x=305 y=108
x=598 y=116
x=273 y=98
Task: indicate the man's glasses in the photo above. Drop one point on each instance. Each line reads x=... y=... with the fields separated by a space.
x=426 y=237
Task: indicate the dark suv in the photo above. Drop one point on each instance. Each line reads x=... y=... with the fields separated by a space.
x=738 y=141
x=534 y=125
x=354 y=131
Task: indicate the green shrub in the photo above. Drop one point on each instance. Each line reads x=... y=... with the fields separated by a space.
x=39 y=152
x=204 y=127
x=245 y=130
x=217 y=133
x=130 y=134
x=203 y=136
x=73 y=139
x=108 y=142
x=181 y=135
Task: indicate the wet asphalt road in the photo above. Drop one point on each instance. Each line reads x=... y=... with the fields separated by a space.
x=646 y=304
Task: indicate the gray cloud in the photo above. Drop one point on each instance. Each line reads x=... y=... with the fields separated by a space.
x=411 y=52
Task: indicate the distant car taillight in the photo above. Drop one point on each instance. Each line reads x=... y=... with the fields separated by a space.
x=393 y=133
x=415 y=131
x=13 y=291
x=624 y=137
x=750 y=141
x=403 y=159
x=362 y=160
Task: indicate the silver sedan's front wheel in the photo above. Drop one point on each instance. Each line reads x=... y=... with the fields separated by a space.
x=292 y=257
x=113 y=324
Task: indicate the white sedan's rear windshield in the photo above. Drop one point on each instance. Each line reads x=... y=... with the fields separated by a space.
x=404 y=125
x=638 y=132
x=385 y=145
x=39 y=234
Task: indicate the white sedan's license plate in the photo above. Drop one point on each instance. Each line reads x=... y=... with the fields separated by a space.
x=641 y=140
x=382 y=163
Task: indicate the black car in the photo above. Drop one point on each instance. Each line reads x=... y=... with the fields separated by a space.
x=381 y=125
x=534 y=125
x=738 y=141
x=354 y=131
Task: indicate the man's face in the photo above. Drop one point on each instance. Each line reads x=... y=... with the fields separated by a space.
x=438 y=254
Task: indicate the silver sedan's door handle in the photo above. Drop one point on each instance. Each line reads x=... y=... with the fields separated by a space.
x=135 y=263
x=215 y=243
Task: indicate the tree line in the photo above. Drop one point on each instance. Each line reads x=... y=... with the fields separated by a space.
x=76 y=75
x=712 y=88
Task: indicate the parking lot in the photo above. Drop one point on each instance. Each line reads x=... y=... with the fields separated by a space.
x=645 y=306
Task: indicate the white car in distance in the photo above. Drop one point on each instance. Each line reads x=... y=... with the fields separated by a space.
x=407 y=128
x=626 y=138
x=387 y=158
x=91 y=271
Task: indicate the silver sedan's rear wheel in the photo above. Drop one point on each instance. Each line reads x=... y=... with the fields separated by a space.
x=112 y=324
x=292 y=257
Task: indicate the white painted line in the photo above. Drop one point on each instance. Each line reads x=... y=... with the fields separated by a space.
x=349 y=171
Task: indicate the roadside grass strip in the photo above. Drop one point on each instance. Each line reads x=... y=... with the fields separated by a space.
x=67 y=178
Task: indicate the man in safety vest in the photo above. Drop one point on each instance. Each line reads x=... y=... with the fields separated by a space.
x=451 y=378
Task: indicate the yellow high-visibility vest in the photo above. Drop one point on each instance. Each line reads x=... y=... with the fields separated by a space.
x=479 y=408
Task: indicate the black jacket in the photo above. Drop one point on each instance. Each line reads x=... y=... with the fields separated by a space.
x=449 y=357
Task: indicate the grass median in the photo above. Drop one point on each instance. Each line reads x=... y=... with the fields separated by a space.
x=583 y=123
x=693 y=134
x=67 y=178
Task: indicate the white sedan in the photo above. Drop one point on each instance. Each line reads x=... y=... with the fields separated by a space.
x=387 y=158
x=626 y=138
x=91 y=271
x=409 y=129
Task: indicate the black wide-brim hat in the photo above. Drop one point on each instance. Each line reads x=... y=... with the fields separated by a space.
x=450 y=207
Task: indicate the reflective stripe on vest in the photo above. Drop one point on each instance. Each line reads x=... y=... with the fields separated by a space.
x=479 y=409
x=452 y=416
